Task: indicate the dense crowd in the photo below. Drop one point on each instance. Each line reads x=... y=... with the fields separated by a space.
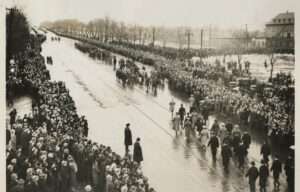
x=220 y=87
x=48 y=150
x=267 y=107
x=233 y=144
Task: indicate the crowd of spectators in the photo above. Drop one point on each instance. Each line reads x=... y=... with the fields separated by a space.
x=268 y=107
x=48 y=150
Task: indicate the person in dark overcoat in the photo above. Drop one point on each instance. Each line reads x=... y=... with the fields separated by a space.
x=290 y=173
x=214 y=145
x=263 y=176
x=127 y=138
x=276 y=168
x=252 y=175
x=241 y=154
x=137 y=152
x=265 y=151
x=226 y=155
x=246 y=138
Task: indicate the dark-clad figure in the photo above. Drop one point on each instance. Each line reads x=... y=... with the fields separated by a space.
x=12 y=116
x=137 y=151
x=276 y=168
x=215 y=128
x=290 y=173
x=265 y=151
x=246 y=138
x=263 y=176
x=127 y=138
x=214 y=145
x=226 y=155
x=181 y=112
x=8 y=136
x=241 y=154
x=252 y=175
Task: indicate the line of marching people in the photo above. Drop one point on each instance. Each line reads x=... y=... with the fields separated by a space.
x=234 y=145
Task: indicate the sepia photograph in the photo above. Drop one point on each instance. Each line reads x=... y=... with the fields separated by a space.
x=149 y=95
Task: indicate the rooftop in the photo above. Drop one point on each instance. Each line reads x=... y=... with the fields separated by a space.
x=283 y=18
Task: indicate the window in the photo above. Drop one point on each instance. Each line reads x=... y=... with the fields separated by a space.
x=290 y=20
x=283 y=20
x=279 y=20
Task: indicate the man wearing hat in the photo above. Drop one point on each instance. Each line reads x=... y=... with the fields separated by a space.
x=226 y=155
x=276 y=168
x=214 y=145
x=128 y=138
x=252 y=175
x=263 y=175
x=265 y=151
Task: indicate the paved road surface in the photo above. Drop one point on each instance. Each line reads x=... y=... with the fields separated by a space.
x=171 y=163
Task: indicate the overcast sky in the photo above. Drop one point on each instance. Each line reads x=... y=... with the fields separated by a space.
x=193 y=13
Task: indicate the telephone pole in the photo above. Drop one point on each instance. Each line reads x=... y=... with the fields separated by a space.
x=188 y=34
x=153 y=36
x=201 y=40
x=247 y=36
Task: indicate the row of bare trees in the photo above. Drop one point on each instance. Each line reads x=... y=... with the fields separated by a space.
x=110 y=30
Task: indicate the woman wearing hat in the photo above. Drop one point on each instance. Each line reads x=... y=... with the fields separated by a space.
x=137 y=151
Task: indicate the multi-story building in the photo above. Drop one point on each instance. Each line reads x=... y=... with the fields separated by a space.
x=280 y=34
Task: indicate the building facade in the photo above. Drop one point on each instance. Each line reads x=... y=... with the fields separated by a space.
x=280 y=33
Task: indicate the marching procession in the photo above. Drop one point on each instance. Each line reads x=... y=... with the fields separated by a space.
x=110 y=114
x=208 y=97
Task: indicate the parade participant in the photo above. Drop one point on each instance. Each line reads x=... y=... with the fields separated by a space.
x=236 y=138
x=199 y=123
x=115 y=62
x=181 y=113
x=137 y=151
x=265 y=151
x=172 y=107
x=246 y=138
x=215 y=128
x=222 y=132
x=187 y=127
x=290 y=173
x=204 y=137
x=191 y=100
x=226 y=155
x=147 y=82
x=252 y=175
x=241 y=154
x=176 y=123
x=127 y=138
x=263 y=176
x=214 y=145
x=276 y=168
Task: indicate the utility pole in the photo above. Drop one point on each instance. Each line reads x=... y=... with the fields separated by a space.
x=247 y=36
x=201 y=40
x=140 y=35
x=153 y=36
x=209 y=33
x=188 y=34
